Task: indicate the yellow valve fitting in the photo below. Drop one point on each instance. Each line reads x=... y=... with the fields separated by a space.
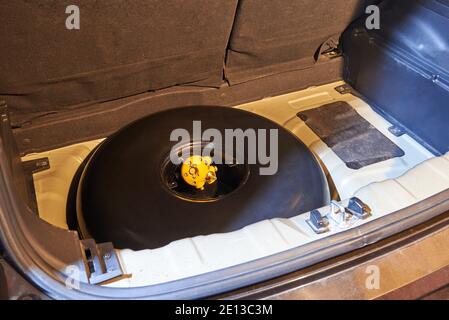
x=198 y=170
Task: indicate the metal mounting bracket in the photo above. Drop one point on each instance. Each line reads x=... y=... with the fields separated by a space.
x=344 y=89
x=101 y=261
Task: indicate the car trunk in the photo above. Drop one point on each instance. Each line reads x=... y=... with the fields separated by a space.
x=370 y=105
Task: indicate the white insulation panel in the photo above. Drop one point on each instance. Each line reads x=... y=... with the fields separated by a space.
x=386 y=187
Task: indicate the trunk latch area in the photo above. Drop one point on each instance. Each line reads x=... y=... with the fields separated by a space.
x=339 y=216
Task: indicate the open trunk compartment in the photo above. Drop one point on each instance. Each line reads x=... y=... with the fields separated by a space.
x=371 y=109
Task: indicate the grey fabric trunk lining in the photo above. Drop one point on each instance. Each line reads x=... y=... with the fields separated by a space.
x=351 y=137
x=269 y=37
x=37 y=132
x=122 y=48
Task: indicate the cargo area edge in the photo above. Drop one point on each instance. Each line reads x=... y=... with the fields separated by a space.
x=37 y=249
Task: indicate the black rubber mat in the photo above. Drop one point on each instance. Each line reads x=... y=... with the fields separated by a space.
x=350 y=136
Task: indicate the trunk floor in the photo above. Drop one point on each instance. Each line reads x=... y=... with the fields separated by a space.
x=284 y=109
x=386 y=186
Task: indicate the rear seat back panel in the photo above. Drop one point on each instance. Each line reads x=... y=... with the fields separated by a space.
x=276 y=36
x=122 y=48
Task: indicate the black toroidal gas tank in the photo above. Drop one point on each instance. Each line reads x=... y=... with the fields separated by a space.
x=130 y=193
